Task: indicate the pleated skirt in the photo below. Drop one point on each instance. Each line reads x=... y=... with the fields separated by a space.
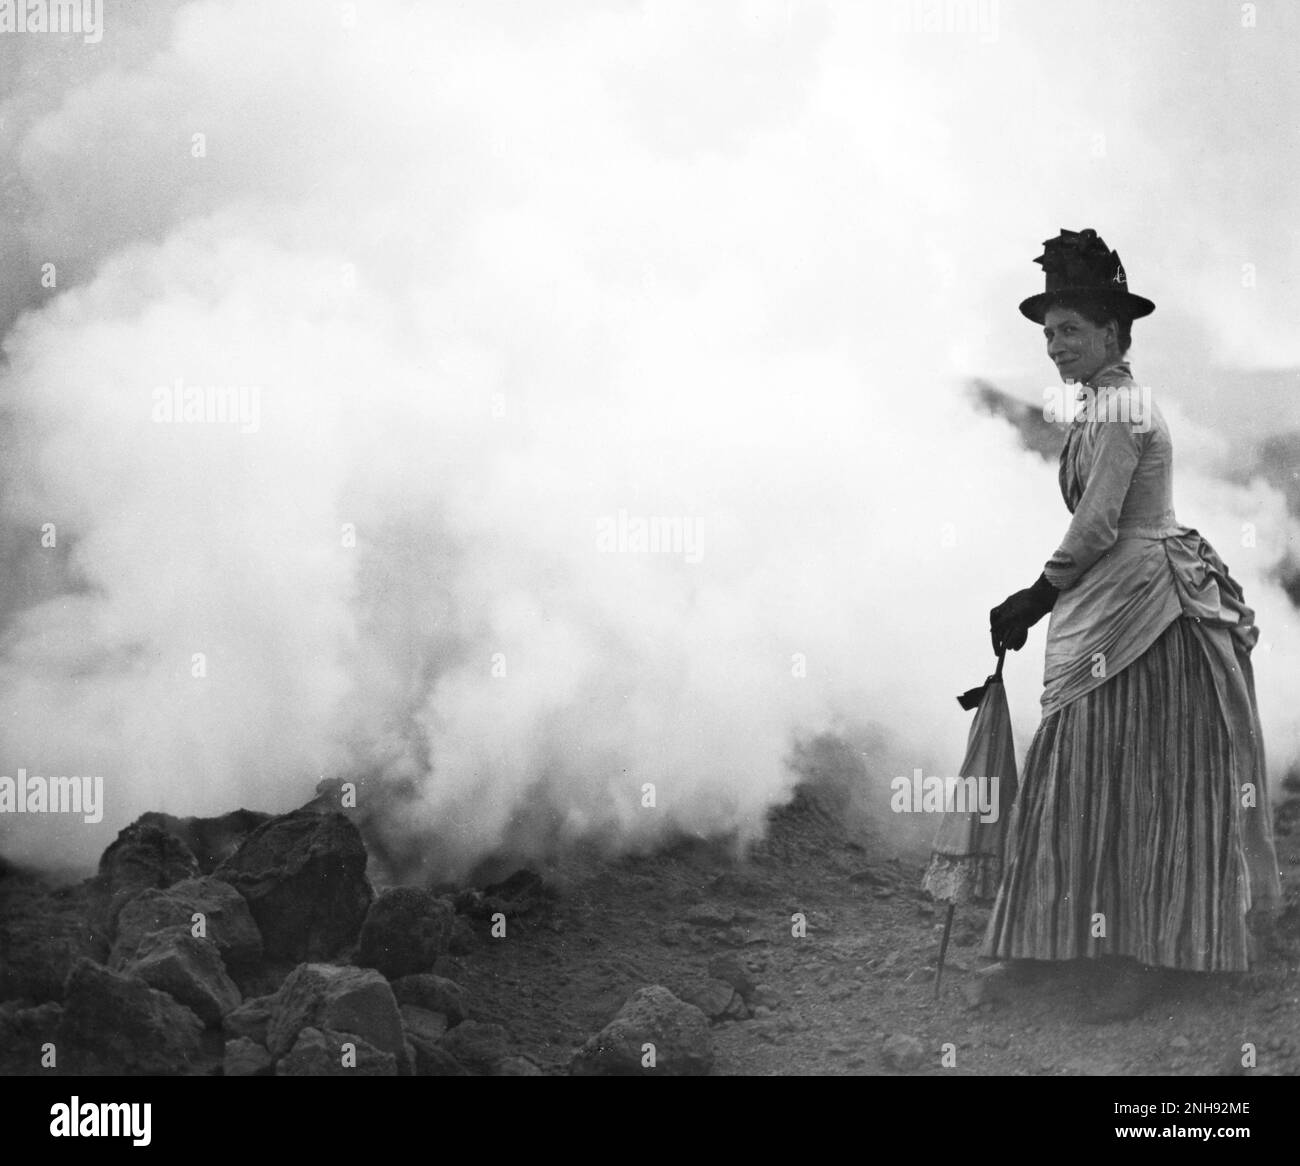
x=1124 y=839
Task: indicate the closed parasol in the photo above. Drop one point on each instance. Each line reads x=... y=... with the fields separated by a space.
x=966 y=861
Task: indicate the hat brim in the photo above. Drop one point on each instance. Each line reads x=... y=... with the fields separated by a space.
x=1125 y=304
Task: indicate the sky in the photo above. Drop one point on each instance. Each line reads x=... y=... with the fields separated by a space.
x=501 y=277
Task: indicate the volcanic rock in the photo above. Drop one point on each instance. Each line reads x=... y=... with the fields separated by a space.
x=479 y=1047
x=210 y=840
x=678 y=1032
x=405 y=931
x=249 y=1020
x=737 y=1009
x=417 y=1021
x=348 y=1000
x=523 y=892
x=766 y=996
x=143 y=856
x=902 y=1052
x=226 y=919
x=117 y=1024
x=304 y=876
x=713 y=997
x=434 y=993
x=730 y=968
x=24 y=1033
x=432 y=1060
x=246 y=1058
x=463 y=937
x=519 y=893
x=43 y=932
x=189 y=970
x=325 y=1053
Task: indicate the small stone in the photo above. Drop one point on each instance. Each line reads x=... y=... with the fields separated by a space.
x=705 y=915
x=249 y=1020
x=436 y=993
x=480 y=1047
x=712 y=997
x=737 y=1009
x=246 y=1058
x=327 y=1053
x=677 y=1032
x=730 y=968
x=432 y=1060
x=417 y=1021
x=988 y=986
x=903 y=1052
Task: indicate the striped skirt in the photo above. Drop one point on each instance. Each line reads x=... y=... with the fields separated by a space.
x=1124 y=839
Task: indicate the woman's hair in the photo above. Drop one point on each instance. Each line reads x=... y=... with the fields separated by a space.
x=1097 y=311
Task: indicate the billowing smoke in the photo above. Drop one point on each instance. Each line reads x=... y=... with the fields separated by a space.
x=518 y=407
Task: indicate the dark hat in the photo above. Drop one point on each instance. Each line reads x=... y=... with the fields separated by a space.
x=1078 y=264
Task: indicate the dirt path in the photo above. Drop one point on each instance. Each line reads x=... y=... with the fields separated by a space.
x=862 y=973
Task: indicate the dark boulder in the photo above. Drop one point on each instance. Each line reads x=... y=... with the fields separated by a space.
x=304 y=877
x=341 y=999
x=210 y=840
x=143 y=856
x=187 y=969
x=405 y=931
x=43 y=932
x=227 y=921
x=115 y=1024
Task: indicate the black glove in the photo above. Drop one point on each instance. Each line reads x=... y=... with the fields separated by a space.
x=1010 y=621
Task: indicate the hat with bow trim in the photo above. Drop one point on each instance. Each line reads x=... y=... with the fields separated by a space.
x=1079 y=265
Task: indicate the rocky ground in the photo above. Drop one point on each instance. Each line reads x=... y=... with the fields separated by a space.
x=258 y=945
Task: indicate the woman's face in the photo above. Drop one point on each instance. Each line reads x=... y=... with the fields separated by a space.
x=1077 y=346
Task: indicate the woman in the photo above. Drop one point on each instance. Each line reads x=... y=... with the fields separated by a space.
x=1141 y=837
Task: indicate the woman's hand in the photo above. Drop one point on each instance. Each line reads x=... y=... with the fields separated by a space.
x=1010 y=621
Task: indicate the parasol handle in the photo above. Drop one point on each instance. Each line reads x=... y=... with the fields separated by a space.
x=971 y=698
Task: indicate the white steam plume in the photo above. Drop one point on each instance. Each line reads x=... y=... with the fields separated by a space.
x=495 y=284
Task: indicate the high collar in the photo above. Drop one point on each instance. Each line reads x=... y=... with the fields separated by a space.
x=1110 y=375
